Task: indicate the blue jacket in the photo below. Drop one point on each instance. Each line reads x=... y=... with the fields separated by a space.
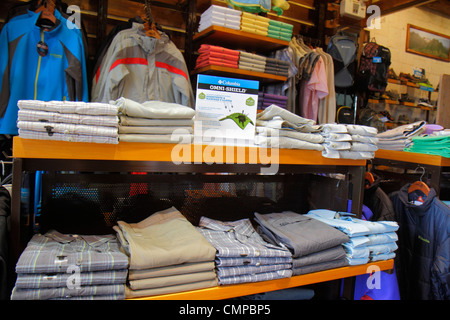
x=424 y=246
x=25 y=75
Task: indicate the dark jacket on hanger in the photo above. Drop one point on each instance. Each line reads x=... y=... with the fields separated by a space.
x=424 y=246
x=378 y=202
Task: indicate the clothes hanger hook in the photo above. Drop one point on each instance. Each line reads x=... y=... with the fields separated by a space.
x=423 y=171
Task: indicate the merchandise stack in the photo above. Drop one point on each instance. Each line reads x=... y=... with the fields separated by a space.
x=167 y=254
x=242 y=254
x=220 y=16
x=315 y=246
x=68 y=121
x=259 y=63
x=344 y=141
x=73 y=267
x=267 y=99
x=218 y=56
x=254 y=24
x=279 y=128
x=400 y=137
x=433 y=144
x=368 y=240
x=154 y=121
x=280 y=30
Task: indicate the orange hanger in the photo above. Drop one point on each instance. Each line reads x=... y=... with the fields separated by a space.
x=370 y=179
x=149 y=25
x=419 y=185
x=47 y=7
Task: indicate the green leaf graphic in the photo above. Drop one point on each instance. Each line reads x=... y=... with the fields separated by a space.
x=201 y=95
x=239 y=118
x=250 y=102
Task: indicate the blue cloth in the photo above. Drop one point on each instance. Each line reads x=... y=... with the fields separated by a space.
x=387 y=288
x=25 y=75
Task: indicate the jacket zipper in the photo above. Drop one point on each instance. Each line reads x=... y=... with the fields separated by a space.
x=38 y=68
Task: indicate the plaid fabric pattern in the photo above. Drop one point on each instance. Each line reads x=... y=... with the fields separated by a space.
x=74 y=107
x=370 y=51
x=27 y=134
x=265 y=276
x=55 y=280
x=243 y=270
x=44 y=116
x=238 y=239
x=77 y=129
x=55 y=252
x=244 y=261
x=65 y=292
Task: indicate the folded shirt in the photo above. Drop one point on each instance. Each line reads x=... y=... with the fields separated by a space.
x=218 y=55
x=253 y=26
x=326 y=265
x=28 y=134
x=221 y=9
x=44 y=116
x=132 y=121
x=251 y=261
x=254 y=30
x=281 y=24
x=206 y=48
x=153 y=109
x=264 y=276
x=51 y=128
x=331 y=254
x=184 y=268
x=255 y=22
x=117 y=290
x=177 y=138
x=223 y=272
x=252 y=56
x=74 y=107
x=255 y=17
x=156 y=129
x=274 y=111
x=286 y=143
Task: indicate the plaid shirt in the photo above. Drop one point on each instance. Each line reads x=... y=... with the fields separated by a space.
x=55 y=252
x=44 y=116
x=238 y=239
x=117 y=290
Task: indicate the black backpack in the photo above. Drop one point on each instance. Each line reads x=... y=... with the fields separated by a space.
x=343 y=49
x=374 y=67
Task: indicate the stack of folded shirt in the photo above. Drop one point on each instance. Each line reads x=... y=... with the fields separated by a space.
x=279 y=128
x=315 y=246
x=436 y=145
x=369 y=241
x=216 y=55
x=242 y=255
x=276 y=66
x=76 y=267
x=167 y=254
x=254 y=24
x=267 y=99
x=400 y=137
x=68 y=121
x=154 y=121
x=220 y=16
x=280 y=30
x=343 y=141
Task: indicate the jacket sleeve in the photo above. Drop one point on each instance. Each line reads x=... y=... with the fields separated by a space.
x=440 y=271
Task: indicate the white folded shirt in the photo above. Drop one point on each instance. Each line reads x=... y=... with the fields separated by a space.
x=131 y=121
x=308 y=137
x=65 y=128
x=286 y=143
x=26 y=134
x=75 y=107
x=156 y=129
x=225 y=10
x=153 y=109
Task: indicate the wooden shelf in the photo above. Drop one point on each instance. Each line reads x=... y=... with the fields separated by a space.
x=404 y=156
x=410 y=84
x=406 y=104
x=133 y=151
x=242 y=73
x=237 y=290
x=234 y=39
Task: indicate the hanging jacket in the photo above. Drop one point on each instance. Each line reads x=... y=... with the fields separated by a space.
x=424 y=246
x=142 y=68
x=378 y=202
x=26 y=75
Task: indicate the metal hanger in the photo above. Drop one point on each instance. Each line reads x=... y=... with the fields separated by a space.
x=419 y=185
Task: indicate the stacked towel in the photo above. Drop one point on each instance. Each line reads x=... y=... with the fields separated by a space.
x=215 y=55
x=315 y=246
x=369 y=241
x=343 y=141
x=62 y=266
x=154 y=121
x=68 y=121
x=280 y=30
x=167 y=254
x=254 y=24
x=436 y=145
x=400 y=137
x=279 y=128
x=242 y=255
x=267 y=99
x=259 y=63
x=220 y=16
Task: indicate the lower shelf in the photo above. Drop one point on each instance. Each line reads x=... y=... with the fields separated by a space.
x=238 y=290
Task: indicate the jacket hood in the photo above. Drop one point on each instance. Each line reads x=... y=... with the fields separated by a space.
x=419 y=209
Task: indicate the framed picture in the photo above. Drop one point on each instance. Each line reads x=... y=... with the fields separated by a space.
x=428 y=43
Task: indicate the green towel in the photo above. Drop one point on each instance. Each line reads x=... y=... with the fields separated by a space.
x=435 y=145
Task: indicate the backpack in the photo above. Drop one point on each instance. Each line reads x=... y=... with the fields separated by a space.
x=374 y=67
x=343 y=50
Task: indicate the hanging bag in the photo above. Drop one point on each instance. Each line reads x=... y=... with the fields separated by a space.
x=373 y=67
x=343 y=50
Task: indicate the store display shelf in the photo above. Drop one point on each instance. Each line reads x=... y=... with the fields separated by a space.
x=217 y=35
x=411 y=85
x=242 y=73
x=407 y=104
x=162 y=152
x=237 y=290
x=403 y=156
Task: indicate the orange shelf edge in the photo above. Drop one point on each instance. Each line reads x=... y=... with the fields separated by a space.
x=131 y=151
x=230 y=291
x=413 y=157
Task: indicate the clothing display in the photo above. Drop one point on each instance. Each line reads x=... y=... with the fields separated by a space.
x=65 y=266
x=142 y=68
x=138 y=121
x=267 y=99
x=349 y=141
x=400 y=137
x=239 y=240
x=423 y=257
x=57 y=71
x=436 y=145
x=215 y=55
x=220 y=16
x=167 y=254
x=368 y=241
x=315 y=246
x=68 y=121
